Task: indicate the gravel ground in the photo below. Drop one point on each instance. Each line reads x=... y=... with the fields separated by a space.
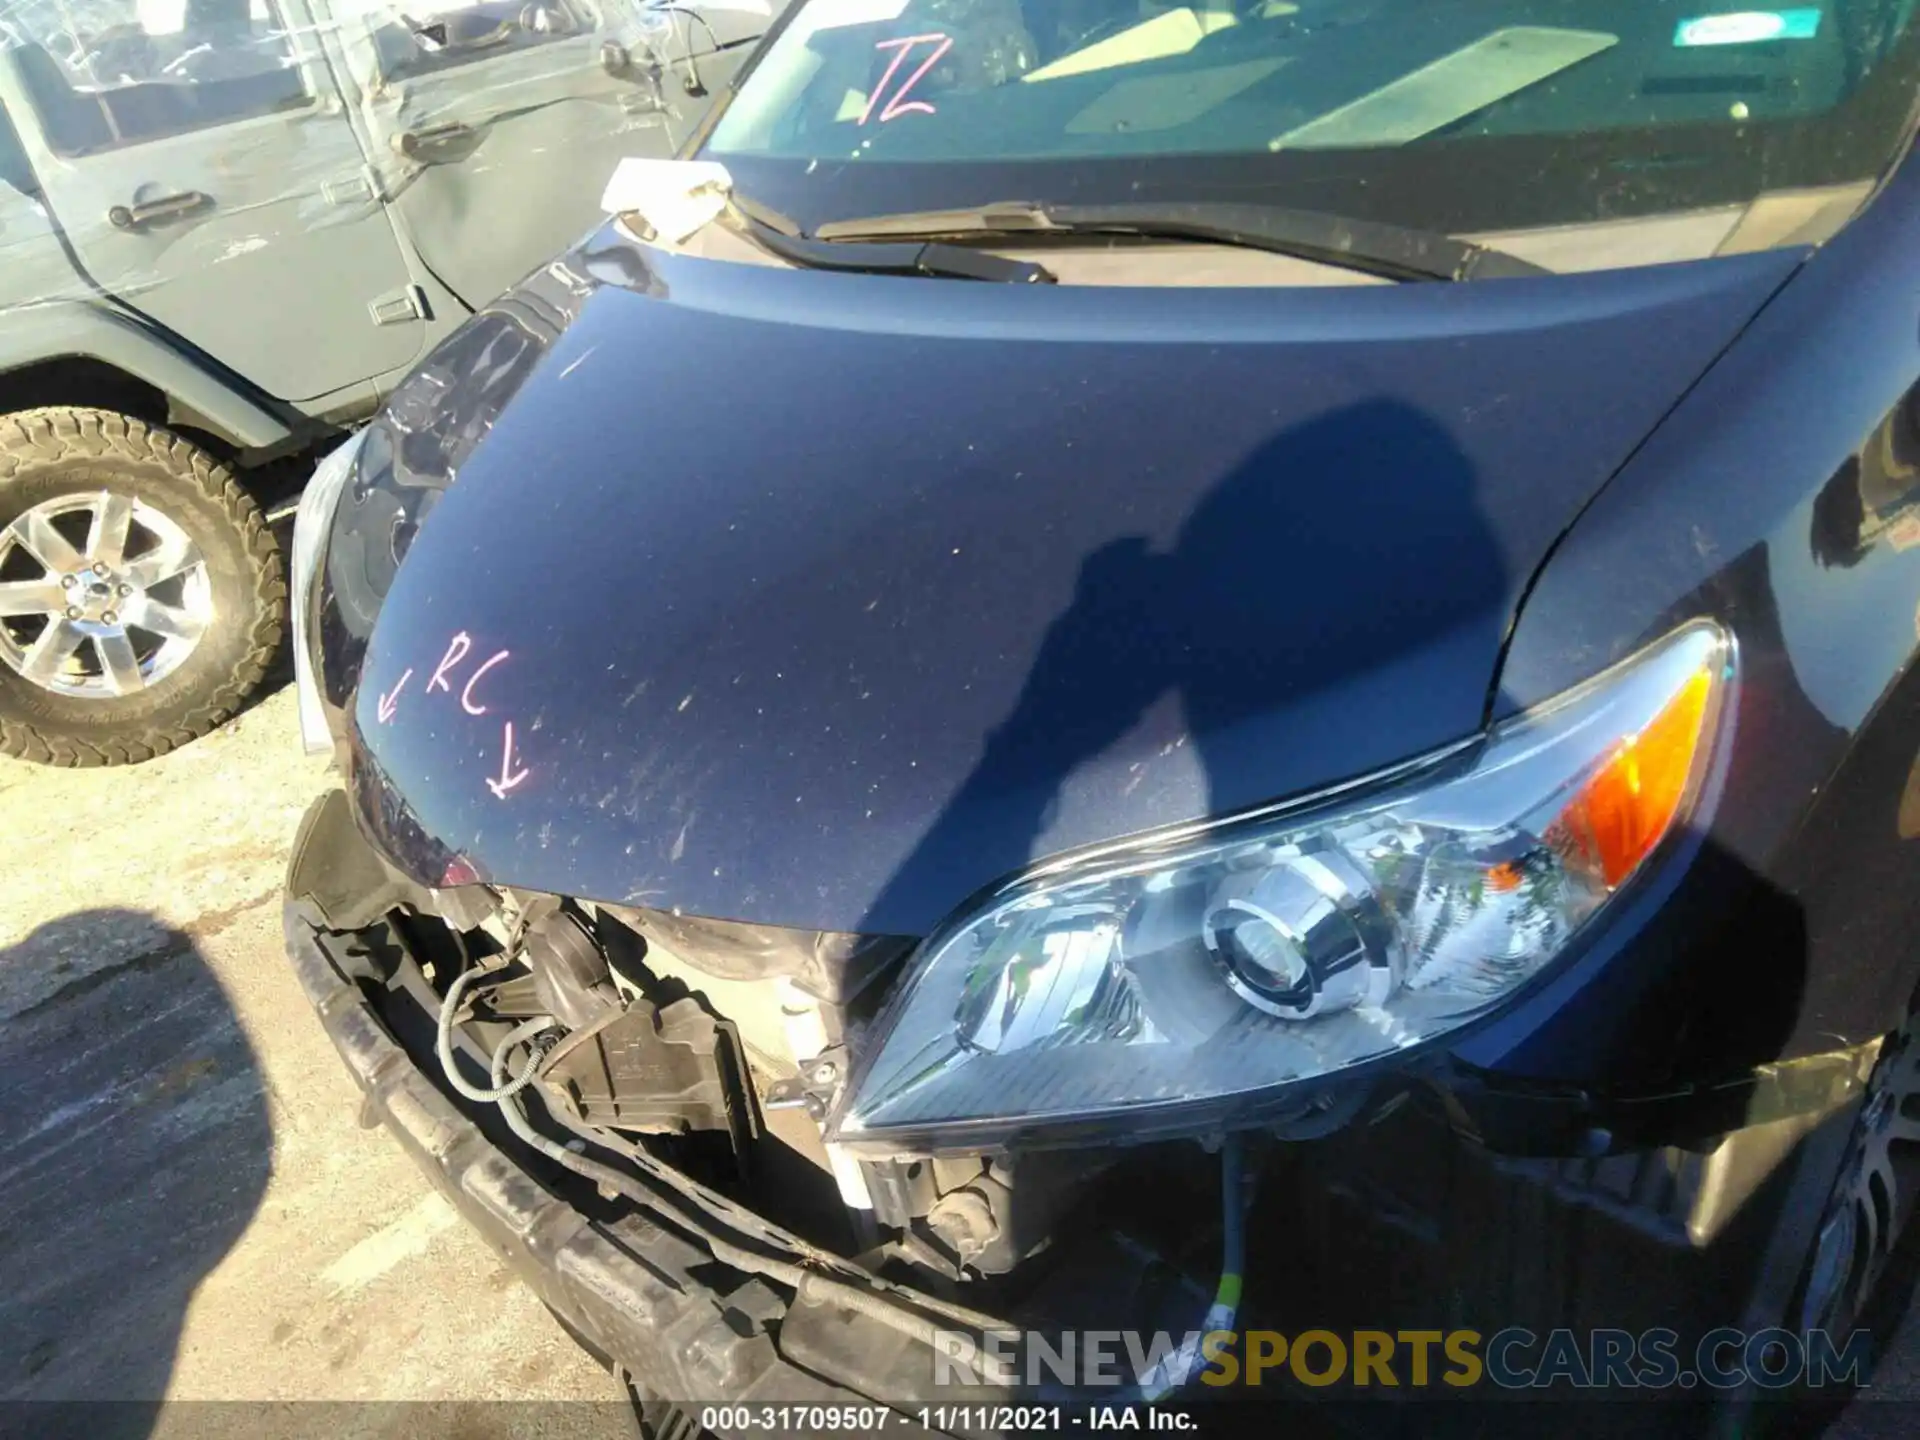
x=191 y=1212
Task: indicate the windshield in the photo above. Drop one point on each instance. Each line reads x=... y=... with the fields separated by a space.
x=1476 y=116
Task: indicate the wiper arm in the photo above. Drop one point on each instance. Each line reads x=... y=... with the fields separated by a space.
x=1396 y=252
x=917 y=256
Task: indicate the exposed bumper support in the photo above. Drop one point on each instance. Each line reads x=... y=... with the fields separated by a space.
x=629 y=1288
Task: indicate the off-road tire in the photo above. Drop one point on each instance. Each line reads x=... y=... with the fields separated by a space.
x=67 y=450
x=1874 y=1193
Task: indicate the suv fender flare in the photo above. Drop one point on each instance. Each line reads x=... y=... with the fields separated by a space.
x=61 y=330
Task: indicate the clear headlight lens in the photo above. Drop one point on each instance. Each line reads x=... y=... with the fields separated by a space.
x=1238 y=959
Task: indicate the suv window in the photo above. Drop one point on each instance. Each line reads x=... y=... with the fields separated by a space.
x=435 y=35
x=106 y=73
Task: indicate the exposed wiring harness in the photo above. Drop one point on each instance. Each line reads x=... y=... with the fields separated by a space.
x=1177 y=1368
x=870 y=1299
x=689 y=1191
x=807 y=1272
x=443 y=1045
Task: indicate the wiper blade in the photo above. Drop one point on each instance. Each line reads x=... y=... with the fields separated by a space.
x=1395 y=252
x=917 y=256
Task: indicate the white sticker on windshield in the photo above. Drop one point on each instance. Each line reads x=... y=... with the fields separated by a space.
x=1749 y=27
x=838 y=14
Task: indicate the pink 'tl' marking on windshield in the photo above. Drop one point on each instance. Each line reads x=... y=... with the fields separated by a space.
x=389 y=701
x=509 y=777
x=466 y=693
x=456 y=652
x=900 y=105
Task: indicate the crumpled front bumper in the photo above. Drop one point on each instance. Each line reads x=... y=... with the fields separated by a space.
x=629 y=1289
x=1482 y=1211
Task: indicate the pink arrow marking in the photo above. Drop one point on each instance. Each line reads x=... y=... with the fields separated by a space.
x=466 y=693
x=509 y=777
x=388 y=701
x=456 y=652
x=900 y=105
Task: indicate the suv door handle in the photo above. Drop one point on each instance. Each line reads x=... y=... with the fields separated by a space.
x=167 y=207
x=433 y=142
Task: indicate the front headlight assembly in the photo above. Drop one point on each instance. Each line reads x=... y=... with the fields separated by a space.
x=1193 y=976
x=311 y=523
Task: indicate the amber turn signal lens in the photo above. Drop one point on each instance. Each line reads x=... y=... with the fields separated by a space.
x=1505 y=877
x=1627 y=806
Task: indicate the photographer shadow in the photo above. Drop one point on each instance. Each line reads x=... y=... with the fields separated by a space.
x=135 y=1147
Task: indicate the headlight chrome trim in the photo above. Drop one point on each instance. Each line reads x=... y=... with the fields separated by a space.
x=312 y=523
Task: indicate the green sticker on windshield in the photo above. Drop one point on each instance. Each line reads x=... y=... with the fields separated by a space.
x=1748 y=27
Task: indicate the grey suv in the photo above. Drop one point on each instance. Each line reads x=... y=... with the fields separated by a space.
x=227 y=229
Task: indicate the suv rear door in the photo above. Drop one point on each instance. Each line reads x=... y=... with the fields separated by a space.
x=200 y=161
x=502 y=120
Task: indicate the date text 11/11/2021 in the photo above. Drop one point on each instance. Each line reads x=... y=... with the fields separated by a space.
x=853 y=1419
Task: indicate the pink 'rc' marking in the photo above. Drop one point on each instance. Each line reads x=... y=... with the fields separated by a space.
x=466 y=693
x=456 y=652
x=900 y=105
x=511 y=774
x=509 y=777
x=389 y=702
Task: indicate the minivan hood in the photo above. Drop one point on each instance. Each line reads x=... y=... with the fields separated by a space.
x=823 y=600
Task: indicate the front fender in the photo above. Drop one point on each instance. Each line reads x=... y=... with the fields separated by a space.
x=70 y=329
x=1780 y=498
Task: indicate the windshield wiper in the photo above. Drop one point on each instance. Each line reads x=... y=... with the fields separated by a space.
x=1395 y=252
x=916 y=256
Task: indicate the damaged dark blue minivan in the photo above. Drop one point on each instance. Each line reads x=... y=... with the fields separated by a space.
x=1162 y=669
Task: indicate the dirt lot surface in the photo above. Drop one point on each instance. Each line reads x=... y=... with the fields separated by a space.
x=191 y=1212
